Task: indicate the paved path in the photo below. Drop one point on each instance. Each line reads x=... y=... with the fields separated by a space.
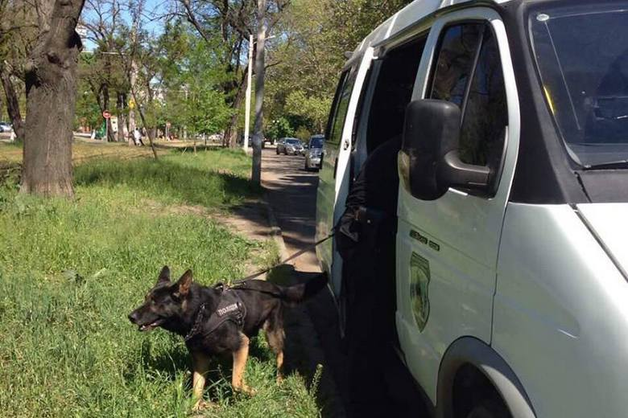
x=292 y=195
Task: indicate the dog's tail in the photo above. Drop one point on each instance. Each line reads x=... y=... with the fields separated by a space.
x=303 y=291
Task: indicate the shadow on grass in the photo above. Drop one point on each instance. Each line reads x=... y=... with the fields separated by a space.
x=187 y=148
x=165 y=363
x=170 y=179
x=301 y=354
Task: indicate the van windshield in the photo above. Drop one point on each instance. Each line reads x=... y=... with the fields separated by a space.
x=582 y=57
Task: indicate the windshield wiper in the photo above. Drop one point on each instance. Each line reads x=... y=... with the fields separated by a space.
x=608 y=166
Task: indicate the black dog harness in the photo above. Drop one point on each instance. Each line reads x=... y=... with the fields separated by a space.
x=230 y=308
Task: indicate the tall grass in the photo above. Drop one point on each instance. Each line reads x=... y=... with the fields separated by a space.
x=71 y=271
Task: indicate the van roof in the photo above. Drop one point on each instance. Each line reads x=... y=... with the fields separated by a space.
x=405 y=17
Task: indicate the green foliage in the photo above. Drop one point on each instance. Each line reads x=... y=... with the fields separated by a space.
x=71 y=271
x=193 y=75
x=303 y=134
x=279 y=128
x=311 y=53
x=314 y=110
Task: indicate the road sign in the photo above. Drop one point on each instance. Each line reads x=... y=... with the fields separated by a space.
x=131 y=104
x=106 y=114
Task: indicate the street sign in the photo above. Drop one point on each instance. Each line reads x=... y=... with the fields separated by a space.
x=131 y=104
x=106 y=114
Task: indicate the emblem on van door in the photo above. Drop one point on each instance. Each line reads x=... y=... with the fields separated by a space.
x=419 y=289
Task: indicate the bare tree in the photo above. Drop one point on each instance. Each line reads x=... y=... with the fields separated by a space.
x=18 y=31
x=139 y=63
x=12 y=102
x=104 y=76
x=50 y=99
x=233 y=21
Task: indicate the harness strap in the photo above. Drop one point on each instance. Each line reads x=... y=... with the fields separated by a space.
x=230 y=308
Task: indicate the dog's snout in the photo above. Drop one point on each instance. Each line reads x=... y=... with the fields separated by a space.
x=133 y=317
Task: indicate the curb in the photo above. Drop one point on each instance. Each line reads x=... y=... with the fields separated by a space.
x=275 y=230
x=311 y=345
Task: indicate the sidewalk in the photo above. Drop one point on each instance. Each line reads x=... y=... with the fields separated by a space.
x=312 y=327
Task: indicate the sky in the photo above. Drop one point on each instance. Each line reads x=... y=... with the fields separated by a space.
x=158 y=7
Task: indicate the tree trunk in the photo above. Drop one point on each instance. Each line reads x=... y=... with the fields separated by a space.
x=50 y=103
x=13 y=104
x=143 y=118
x=106 y=100
x=231 y=133
x=121 y=105
x=256 y=174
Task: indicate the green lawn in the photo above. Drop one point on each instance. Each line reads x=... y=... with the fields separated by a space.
x=71 y=271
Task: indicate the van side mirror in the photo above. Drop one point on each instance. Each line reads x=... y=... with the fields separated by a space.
x=429 y=162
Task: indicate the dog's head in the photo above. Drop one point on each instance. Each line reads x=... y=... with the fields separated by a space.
x=164 y=302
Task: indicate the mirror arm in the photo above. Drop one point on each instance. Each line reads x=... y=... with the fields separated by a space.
x=454 y=172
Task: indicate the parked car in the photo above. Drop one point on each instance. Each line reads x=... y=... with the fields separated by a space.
x=279 y=145
x=512 y=258
x=5 y=127
x=289 y=146
x=314 y=152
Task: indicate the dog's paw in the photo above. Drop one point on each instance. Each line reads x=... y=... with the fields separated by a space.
x=279 y=379
x=202 y=405
x=246 y=390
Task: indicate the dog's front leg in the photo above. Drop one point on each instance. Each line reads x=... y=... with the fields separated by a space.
x=239 y=363
x=200 y=363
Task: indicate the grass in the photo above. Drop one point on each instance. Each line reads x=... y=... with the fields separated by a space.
x=71 y=271
x=11 y=153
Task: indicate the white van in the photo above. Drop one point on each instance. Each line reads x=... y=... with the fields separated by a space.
x=512 y=241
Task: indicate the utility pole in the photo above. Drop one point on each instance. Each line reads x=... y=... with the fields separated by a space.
x=132 y=80
x=249 y=81
x=256 y=174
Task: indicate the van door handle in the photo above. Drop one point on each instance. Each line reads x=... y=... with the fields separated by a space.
x=335 y=166
x=345 y=145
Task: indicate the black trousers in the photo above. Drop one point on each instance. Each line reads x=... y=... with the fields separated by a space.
x=369 y=280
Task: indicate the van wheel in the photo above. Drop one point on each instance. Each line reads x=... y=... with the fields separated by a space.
x=489 y=408
x=277 y=150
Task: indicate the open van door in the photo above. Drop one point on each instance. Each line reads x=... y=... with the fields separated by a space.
x=328 y=175
x=334 y=174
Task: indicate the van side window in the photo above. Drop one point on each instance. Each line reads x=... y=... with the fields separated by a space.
x=360 y=110
x=486 y=113
x=393 y=92
x=468 y=72
x=455 y=62
x=341 y=106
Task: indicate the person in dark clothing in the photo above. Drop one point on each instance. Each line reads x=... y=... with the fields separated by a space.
x=366 y=243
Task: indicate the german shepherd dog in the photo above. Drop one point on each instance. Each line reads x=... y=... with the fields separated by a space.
x=219 y=320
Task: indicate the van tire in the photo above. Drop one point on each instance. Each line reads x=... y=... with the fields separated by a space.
x=277 y=150
x=489 y=408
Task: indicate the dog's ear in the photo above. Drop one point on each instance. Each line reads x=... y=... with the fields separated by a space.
x=164 y=276
x=182 y=287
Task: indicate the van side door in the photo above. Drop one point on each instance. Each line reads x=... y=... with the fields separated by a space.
x=334 y=174
x=447 y=248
